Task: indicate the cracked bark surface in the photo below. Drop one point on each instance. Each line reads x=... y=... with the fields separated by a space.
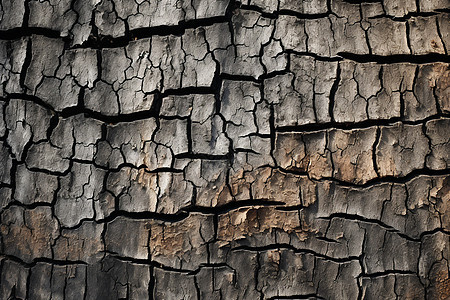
x=263 y=149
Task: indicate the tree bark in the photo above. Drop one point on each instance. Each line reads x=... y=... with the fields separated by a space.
x=224 y=150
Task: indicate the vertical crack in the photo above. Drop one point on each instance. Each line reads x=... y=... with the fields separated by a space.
x=27 y=291
x=26 y=65
x=374 y=151
x=197 y=288
x=430 y=145
x=26 y=14
x=98 y=52
x=408 y=39
x=436 y=99
x=402 y=105
x=440 y=35
x=333 y=91
x=272 y=131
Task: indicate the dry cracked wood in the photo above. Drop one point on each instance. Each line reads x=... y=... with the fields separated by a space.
x=263 y=149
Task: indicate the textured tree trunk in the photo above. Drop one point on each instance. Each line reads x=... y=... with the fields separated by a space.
x=195 y=149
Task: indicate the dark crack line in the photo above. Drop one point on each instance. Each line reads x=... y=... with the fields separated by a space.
x=295 y=250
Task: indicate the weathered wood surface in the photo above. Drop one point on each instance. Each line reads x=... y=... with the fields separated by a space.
x=224 y=150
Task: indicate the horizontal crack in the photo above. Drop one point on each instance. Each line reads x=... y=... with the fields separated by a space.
x=43 y=260
x=305 y=296
x=148 y=262
x=378 y=180
x=356 y=125
x=354 y=217
x=434 y=231
x=232 y=206
x=388 y=272
x=27 y=206
x=296 y=250
x=145 y=215
x=16 y=33
x=398 y=58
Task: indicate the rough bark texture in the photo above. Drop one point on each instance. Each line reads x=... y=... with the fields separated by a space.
x=269 y=149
